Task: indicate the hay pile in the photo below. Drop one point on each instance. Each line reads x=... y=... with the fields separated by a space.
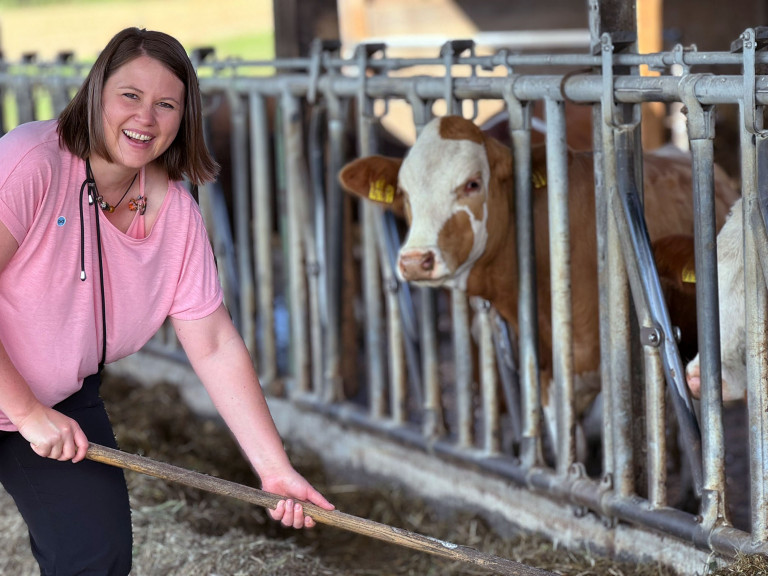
x=181 y=531
x=753 y=564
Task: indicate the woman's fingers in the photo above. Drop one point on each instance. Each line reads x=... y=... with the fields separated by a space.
x=82 y=444
x=53 y=435
x=291 y=515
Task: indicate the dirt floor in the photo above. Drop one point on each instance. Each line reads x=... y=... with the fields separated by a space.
x=182 y=531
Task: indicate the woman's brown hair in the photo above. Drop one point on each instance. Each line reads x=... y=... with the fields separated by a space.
x=81 y=129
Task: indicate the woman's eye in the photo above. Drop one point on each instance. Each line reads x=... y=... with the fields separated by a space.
x=130 y=95
x=166 y=105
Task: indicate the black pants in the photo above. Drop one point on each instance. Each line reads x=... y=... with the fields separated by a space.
x=78 y=515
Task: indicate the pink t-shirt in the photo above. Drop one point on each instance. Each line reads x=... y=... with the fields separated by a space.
x=50 y=320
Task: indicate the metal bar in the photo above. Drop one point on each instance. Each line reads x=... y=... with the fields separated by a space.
x=395 y=351
x=462 y=368
x=655 y=424
x=372 y=291
x=489 y=381
x=333 y=389
x=263 y=211
x=237 y=66
x=560 y=258
x=756 y=319
x=604 y=246
x=295 y=196
x=242 y=221
x=701 y=132
x=520 y=133
x=583 y=88
x=617 y=408
x=312 y=209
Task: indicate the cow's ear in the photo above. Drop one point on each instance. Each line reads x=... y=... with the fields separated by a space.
x=374 y=178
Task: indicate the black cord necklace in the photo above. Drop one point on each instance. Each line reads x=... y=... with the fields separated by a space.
x=95 y=200
x=106 y=205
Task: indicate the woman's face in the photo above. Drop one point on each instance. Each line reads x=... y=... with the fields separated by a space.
x=143 y=106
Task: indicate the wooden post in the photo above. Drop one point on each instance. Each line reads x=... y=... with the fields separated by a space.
x=649 y=39
x=299 y=22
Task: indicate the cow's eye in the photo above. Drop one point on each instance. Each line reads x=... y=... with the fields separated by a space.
x=472 y=186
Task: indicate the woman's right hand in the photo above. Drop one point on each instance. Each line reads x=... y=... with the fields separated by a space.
x=51 y=434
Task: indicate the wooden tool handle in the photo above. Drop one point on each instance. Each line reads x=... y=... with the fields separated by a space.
x=331 y=517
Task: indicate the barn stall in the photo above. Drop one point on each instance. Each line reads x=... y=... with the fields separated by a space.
x=395 y=380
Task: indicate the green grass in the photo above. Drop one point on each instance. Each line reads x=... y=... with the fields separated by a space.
x=251 y=47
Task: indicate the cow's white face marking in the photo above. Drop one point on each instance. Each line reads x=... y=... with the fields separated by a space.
x=431 y=174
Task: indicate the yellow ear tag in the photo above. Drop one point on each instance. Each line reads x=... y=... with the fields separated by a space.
x=689 y=275
x=539 y=180
x=380 y=191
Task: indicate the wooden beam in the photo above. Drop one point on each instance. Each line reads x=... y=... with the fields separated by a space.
x=299 y=22
x=650 y=15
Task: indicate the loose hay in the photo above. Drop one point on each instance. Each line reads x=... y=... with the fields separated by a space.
x=752 y=564
x=182 y=531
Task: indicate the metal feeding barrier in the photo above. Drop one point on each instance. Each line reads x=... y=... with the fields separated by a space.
x=289 y=243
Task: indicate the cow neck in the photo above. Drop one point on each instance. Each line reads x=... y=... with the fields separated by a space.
x=494 y=275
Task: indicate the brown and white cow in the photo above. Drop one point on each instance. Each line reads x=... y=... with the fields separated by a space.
x=730 y=284
x=455 y=188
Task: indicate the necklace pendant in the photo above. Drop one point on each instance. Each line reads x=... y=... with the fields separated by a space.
x=138 y=204
x=105 y=206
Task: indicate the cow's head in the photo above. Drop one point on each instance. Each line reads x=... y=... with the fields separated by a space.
x=452 y=188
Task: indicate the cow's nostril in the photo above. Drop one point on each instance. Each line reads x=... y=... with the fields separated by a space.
x=428 y=262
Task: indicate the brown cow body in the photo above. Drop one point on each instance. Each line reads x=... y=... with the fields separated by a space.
x=456 y=189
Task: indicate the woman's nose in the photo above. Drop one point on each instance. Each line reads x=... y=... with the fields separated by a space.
x=146 y=114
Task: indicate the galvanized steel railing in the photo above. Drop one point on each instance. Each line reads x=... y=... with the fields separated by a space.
x=280 y=256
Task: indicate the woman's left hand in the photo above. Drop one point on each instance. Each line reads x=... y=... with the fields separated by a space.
x=290 y=512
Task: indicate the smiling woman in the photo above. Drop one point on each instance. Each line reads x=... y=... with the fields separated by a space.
x=136 y=120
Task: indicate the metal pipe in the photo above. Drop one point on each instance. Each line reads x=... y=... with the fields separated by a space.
x=756 y=319
x=560 y=265
x=335 y=231
x=242 y=221
x=462 y=368
x=295 y=197
x=656 y=429
x=394 y=327
x=489 y=381
x=263 y=211
x=701 y=131
x=520 y=133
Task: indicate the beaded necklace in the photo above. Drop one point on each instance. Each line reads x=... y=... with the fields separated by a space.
x=107 y=207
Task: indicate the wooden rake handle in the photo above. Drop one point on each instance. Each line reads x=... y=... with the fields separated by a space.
x=341 y=520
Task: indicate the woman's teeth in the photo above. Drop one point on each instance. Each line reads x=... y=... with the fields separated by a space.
x=137 y=136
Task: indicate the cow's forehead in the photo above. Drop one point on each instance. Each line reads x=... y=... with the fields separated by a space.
x=436 y=163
